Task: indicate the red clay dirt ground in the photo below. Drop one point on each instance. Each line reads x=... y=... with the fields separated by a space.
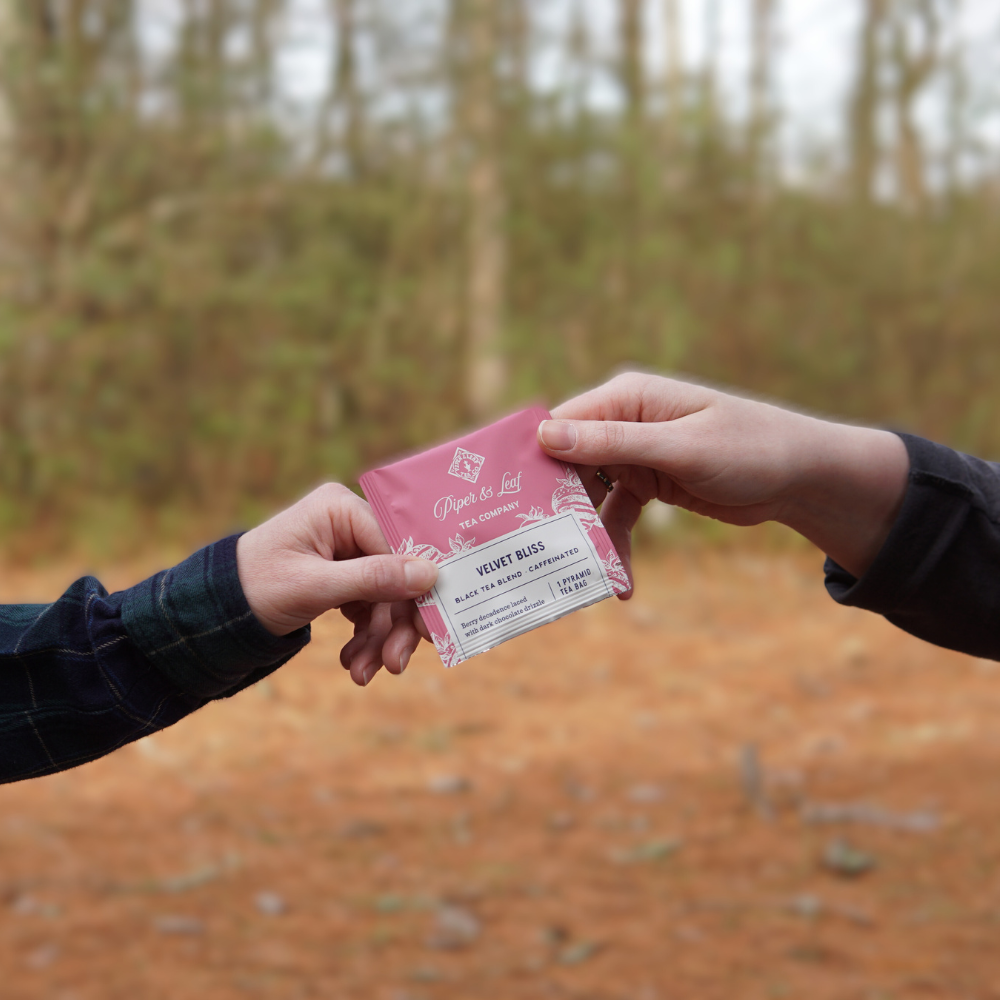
x=566 y=816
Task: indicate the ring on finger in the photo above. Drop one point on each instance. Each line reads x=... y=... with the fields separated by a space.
x=603 y=476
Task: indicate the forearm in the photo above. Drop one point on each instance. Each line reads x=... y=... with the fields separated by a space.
x=90 y=672
x=846 y=490
x=912 y=528
x=73 y=687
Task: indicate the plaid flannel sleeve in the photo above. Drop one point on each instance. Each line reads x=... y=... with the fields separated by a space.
x=92 y=671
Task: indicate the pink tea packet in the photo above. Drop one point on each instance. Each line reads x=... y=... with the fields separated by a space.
x=517 y=540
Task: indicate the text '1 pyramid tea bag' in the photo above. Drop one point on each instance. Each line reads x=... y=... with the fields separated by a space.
x=517 y=540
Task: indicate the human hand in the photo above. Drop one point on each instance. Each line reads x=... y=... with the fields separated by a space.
x=736 y=460
x=327 y=551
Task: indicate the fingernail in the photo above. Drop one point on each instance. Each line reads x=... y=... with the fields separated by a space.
x=420 y=574
x=405 y=659
x=367 y=675
x=557 y=435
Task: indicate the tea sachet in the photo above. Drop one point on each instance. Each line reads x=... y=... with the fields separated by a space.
x=514 y=534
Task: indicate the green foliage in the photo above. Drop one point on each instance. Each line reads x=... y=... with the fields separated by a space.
x=199 y=317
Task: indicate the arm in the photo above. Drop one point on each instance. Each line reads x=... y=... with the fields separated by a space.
x=912 y=528
x=733 y=459
x=92 y=671
x=938 y=573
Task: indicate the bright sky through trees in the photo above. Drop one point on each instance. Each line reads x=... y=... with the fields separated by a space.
x=816 y=43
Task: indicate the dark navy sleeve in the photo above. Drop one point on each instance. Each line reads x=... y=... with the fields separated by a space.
x=938 y=574
x=92 y=671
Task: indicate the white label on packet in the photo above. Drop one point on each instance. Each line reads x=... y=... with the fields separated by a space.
x=523 y=579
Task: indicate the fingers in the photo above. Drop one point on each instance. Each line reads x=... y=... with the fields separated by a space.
x=619 y=514
x=596 y=490
x=402 y=640
x=603 y=442
x=356 y=611
x=635 y=396
x=365 y=535
x=635 y=486
x=336 y=523
x=376 y=579
x=363 y=654
x=619 y=399
x=361 y=615
x=381 y=639
x=419 y=624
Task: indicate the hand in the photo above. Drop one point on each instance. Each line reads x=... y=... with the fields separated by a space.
x=326 y=552
x=733 y=459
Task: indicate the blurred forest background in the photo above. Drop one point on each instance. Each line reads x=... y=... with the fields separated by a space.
x=212 y=297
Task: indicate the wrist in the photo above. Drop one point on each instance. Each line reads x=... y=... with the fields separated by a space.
x=848 y=490
x=193 y=624
x=254 y=584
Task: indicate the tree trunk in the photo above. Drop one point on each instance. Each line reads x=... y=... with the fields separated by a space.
x=516 y=47
x=486 y=373
x=633 y=85
x=865 y=103
x=914 y=68
x=958 y=100
x=340 y=123
x=347 y=94
x=758 y=123
x=262 y=17
x=710 y=74
x=579 y=58
x=633 y=166
x=631 y=61
x=674 y=72
x=8 y=28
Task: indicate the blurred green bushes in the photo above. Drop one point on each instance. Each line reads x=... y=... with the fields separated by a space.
x=207 y=307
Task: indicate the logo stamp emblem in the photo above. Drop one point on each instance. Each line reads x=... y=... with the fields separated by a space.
x=466 y=465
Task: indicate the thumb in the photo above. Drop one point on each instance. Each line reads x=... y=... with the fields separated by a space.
x=378 y=579
x=601 y=442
